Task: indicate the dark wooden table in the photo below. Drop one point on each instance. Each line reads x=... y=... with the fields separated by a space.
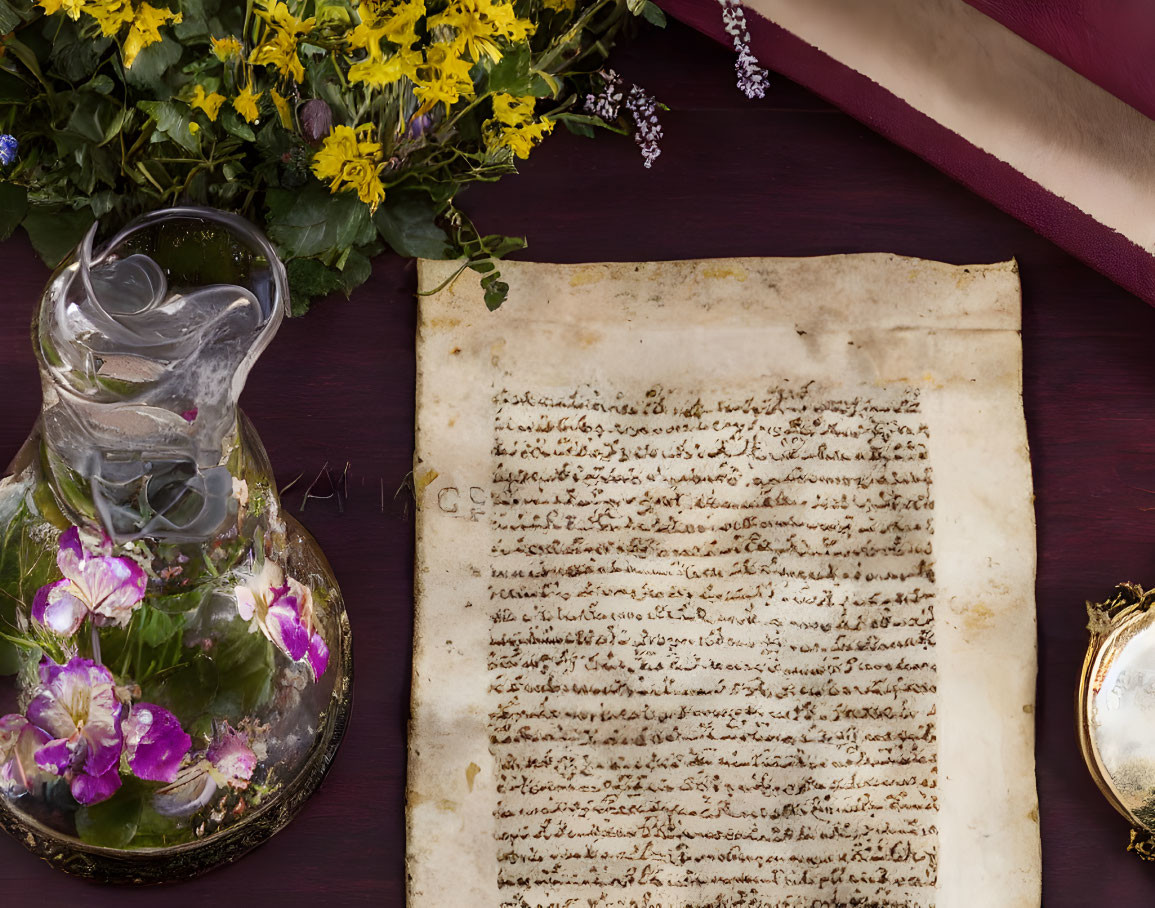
x=784 y=176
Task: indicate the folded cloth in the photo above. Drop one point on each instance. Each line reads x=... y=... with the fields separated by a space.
x=1056 y=145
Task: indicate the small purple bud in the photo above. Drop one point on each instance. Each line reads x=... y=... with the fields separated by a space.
x=316 y=119
x=418 y=126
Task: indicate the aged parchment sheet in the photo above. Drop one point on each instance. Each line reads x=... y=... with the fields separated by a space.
x=725 y=588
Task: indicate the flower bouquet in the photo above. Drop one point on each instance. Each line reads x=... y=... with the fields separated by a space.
x=342 y=127
x=174 y=653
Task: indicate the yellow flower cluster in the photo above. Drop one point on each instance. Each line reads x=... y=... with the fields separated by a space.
x=437 y=57
x=348 y=159
x=144 y=20
x=279 y=49
x=513 y=126
x=478 y=24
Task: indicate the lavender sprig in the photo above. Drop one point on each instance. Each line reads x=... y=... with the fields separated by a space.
x=644 y=109
x=752 y=78
x=607 y=104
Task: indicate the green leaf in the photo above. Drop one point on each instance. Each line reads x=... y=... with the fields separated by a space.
x=155 y=627
x=579 y=129
x=496 y=290
x=55 y=232
x=152 y=64
x=172 y=120
x=357 y=269
x=13 y=205
x=8 y=18
x=511 y=74
x=74 y=57
x=405 y=221
x=310 y=279
x=234 y=125
x=156 y=831
x=112 y=823
x=653 y=14
x=102 y=84
x=500 y=246
x=194 y=22
x=181 y=603
x=189 y=688
x=314 y=222
x=103 y=202
x=245 y=660
x=94 y=116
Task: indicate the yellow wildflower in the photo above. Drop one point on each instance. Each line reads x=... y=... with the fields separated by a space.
x=350 y=160
x=282 y=106
x=280 y=51
x=246 y=103
x=478 y=23
x=146 y=29
x=225 y=49
x=110 y=14
x=396 y=23
x=209 y=102
x=512 y=125
x=277 y=14
x=443 y=78
x=379 y=73
x=194 y=127
x=71 y=8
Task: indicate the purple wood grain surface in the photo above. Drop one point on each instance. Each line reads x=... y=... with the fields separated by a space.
x=788 y=175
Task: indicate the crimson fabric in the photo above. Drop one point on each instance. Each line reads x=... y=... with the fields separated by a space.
x=1111 y=42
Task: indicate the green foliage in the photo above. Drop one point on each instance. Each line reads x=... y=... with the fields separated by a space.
x=26 y=564
x=105 y=137
x=113 y=823
x=55 y=232
x=408 y=223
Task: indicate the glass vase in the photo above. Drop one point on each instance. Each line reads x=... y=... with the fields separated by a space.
x=175 y=658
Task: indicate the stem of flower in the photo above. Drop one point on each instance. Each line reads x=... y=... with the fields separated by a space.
x=95 y=642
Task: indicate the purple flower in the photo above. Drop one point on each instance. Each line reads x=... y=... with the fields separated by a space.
x=283 y=610
x=19 y=741
x=154 y=743
x=79 y=710
x=231 y=758
x=8 y=149
x=418 y=126
x=316 y=118
x=96 y=582
x=229 y=762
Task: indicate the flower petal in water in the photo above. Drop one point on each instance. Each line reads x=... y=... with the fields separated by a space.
x=232 y=759
x=95 y=583
x=283 y=610
x=19 y=741
x=57 y=609
x=154 y=743
x=229 y=762
x=79 y=710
